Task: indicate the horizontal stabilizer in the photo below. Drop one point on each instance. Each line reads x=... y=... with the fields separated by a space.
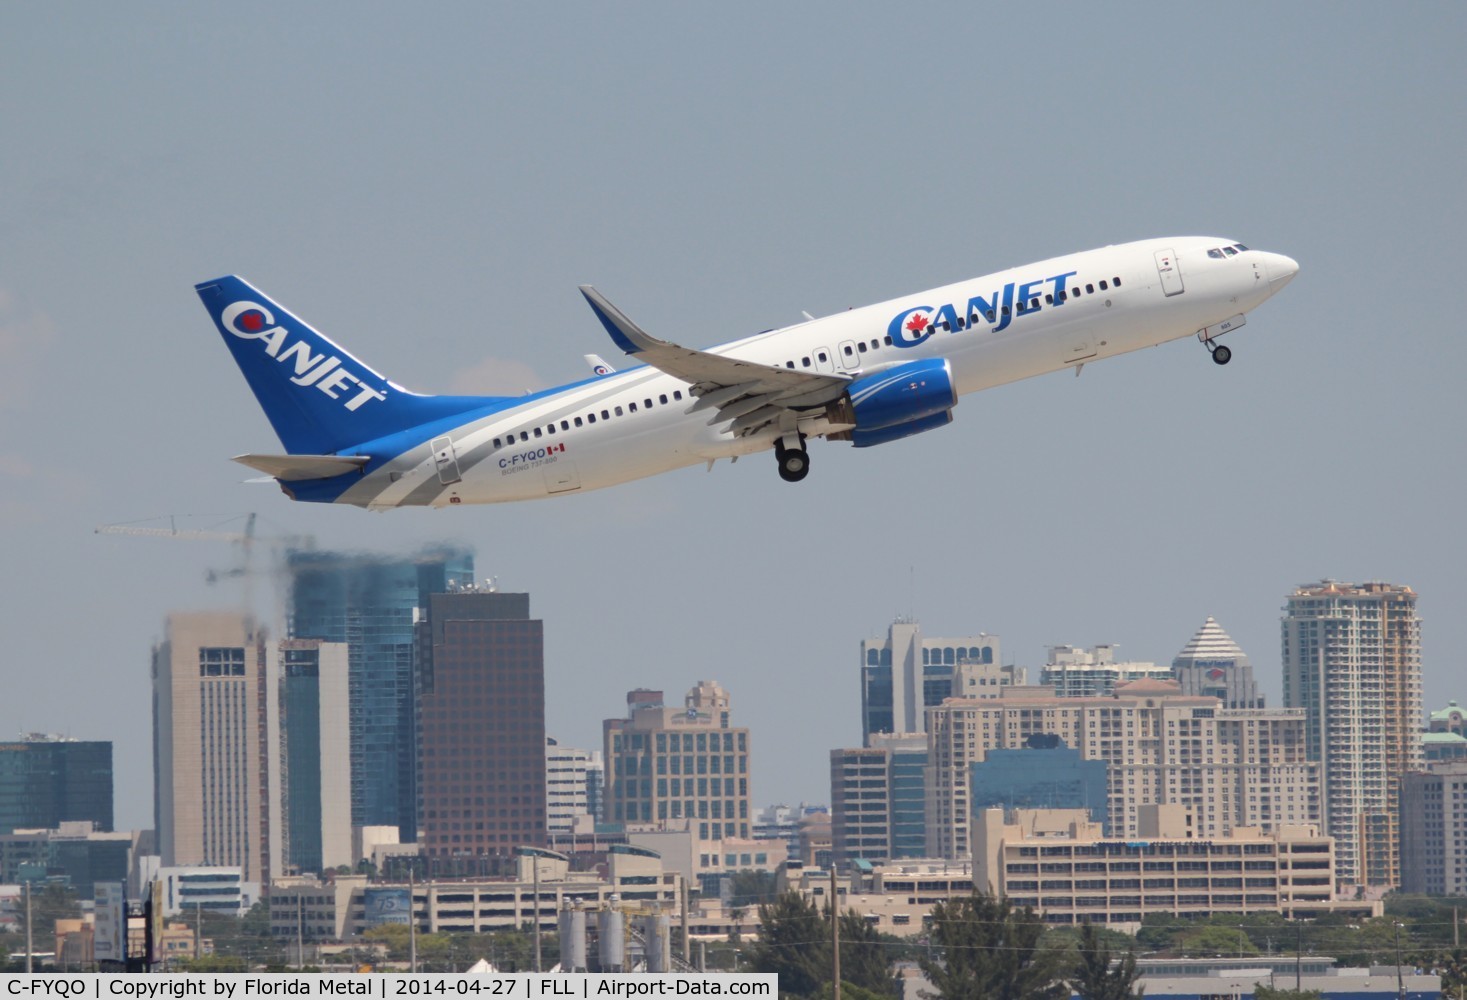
x=292 y=468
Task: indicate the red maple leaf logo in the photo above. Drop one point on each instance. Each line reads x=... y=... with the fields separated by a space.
x=251 y=321
x=917 y=323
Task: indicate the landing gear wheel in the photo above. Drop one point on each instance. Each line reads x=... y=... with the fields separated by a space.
x=794 y=463
x=1221 y=354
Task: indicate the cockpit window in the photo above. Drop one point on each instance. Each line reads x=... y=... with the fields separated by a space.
x=1216 y=253
x=1219 y=253
x=1239 y=247
x=1230 y=251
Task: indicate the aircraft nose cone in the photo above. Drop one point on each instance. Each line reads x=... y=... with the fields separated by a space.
x=1281 y=271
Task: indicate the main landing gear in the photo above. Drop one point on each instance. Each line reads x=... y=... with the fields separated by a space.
x=1221 y=353
x=794 y=463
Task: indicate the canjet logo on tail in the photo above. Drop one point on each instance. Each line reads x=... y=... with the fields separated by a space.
x=915 y=325
x=252 y=321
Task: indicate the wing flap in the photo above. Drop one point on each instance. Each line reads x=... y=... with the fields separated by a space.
x=293 y=468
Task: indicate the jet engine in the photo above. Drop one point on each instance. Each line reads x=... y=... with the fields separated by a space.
x=894 y=403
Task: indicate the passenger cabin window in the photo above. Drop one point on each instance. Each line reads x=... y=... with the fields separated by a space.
x=662 y=399
x=565 y=425
x=789 y=364
x=1116 y=282
x=496 y=442
x=605 y=415
x=1089 y=289
x=591 y=418
x=537 y=432
x=524 y=436
x=618 y=411
x=804 y=362
x=1103 y=285
x=630 y=406
x=677 y=394
x=647 y=404
x=578 y=422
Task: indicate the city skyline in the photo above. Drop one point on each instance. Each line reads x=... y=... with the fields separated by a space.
x=819 y=792
x=905 y=624
x=430 y=188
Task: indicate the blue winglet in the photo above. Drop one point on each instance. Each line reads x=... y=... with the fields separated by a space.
x=622 y=330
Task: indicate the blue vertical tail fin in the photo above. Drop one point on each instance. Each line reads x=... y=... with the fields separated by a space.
x=318 y=397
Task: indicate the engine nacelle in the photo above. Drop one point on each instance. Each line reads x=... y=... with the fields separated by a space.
x=896 y=403
x=867 y=439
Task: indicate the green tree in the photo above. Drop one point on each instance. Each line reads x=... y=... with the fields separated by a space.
x=1452 y=966
x=984 y=949
x=864 y=962
x=213 y=963
x=1261 y=992
x=1207 y=940
x=50 y=904
x=750 y=888
x=794 y=942
x=1098 y=974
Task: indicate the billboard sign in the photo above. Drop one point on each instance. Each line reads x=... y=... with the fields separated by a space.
x=386 y=906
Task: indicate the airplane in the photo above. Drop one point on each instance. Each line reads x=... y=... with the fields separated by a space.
x=868 y=376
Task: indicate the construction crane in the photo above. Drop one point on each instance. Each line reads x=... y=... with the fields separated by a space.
x=218 y=531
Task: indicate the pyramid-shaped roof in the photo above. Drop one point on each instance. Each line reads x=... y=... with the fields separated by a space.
x=1211 y=644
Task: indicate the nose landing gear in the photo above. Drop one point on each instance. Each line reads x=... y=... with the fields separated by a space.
x=1221 y=353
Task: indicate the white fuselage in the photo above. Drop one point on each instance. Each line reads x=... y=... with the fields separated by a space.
x=641 y=422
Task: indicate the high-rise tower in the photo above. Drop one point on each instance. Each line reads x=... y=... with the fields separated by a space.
x=315 y=746
x=371 y=602
x=1352 y=661
x=481 y=726
x=211 y=795
x=1212 y=664
x=48 y=780
x=906 y=673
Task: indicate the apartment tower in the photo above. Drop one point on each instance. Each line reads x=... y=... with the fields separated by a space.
x=1352 y=662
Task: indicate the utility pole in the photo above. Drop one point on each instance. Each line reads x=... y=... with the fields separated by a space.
x=1400 y=979
x=412 y=926
x=834 y=936
x=684 y=883
x=1299 y=958
x=536 y=861
x=198 y=929
x=29 y=949
x=300 y=939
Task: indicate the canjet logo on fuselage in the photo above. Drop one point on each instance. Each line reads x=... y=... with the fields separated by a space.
x=252 y=321
x=913 y=326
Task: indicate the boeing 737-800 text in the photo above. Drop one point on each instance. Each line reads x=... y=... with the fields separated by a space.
x=868 y=376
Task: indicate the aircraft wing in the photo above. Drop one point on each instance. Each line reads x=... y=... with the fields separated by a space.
x=750 y=394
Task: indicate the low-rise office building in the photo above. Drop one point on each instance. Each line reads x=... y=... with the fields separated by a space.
x=348 y=905
x=1059 y=863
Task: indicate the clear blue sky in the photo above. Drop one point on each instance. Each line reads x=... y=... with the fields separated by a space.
x=428 y=186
